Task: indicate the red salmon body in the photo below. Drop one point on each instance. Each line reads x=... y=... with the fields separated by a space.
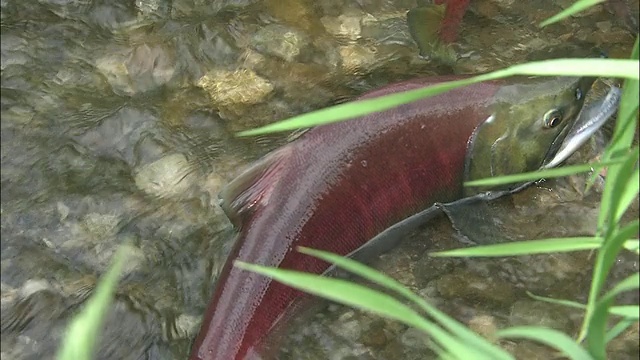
x=454 y=12
x=333 y=189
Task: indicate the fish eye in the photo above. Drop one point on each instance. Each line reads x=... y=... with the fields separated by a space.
x=578 y=94
x=552 y=118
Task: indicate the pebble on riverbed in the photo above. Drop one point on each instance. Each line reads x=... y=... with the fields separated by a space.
x=356 y=58
x=346 y=26
x=232 y=88
x=166 y=177
x=279 y=41
x=136 y=70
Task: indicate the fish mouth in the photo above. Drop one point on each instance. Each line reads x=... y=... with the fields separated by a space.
x=590 y=119
x=554 y=150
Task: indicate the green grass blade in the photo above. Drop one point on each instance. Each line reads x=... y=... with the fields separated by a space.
x=470 y=338
x=631 y=230
x=79 y=341
x=623 y=133
x=343 y=291
x=597 y=310
x=630 y=283
x=623 y=123
x=624 y=188
x=611 y=193
x=597 y=331
x=628 y=110
x=570 y=67
x=614 y=310
x=549 y=337
x=631 y=312
x=529 y=247
x=623 y=136
x=609 y=252
x=577 y=7
x=632 y=245
x=540 y=174
x=619 y=328
x=563 y=302
x=629 y=193
x=362 y=297
x=356 y=108
x=628 y=69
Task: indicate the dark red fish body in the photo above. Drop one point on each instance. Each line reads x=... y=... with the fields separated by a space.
x=335 y=188
x=453 y=15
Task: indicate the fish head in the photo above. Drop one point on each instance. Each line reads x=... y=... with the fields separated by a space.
x=529 y=121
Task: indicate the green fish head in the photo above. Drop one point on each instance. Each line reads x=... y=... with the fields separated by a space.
x=529 y=122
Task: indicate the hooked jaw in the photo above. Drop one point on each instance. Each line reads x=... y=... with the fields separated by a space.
x=590 y=119
x=558 y=144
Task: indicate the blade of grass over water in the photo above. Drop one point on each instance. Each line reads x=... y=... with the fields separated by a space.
x=529 y=247
x=619 y=328
x=624 y=187
x=470 y=338
x=614 y=310
x=627 y=112
x=631 y=230
x=344 y=292
x=632 y=245
x=362 y=297
x=82 y=333
x=631 y=312
x=553 y=338
x=594 y=323
x=563 y=302
x=598 y=308
x=543 y=246
x=630 y=190
x=540 y=174
x=630 y=283
x=596 y=315
x=569 y=67
x=628 y=69
x=577 y=7
x=623 y=133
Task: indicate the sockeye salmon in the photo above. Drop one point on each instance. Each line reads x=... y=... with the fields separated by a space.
x=338 y=186
x=455 y=10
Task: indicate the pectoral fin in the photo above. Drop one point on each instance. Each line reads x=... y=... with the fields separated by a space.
x=392 y=236
x=475 y=219
x=477 y=223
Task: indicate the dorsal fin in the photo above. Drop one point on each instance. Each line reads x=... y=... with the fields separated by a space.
x=253 y=187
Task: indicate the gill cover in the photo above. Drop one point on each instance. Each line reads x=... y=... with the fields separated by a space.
x=529 y=122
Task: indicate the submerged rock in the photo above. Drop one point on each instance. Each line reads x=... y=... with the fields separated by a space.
x=279 y=41
x=539 y=313
x=168 y=176
x=466 y=285
x=240 y=87
x=346 y=26
x=137 y=70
